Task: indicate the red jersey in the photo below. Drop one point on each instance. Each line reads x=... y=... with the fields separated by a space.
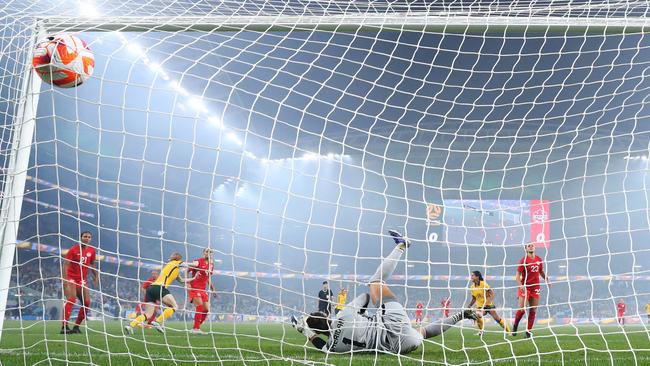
x=148 y=282
x=418 y=308
x=621 y=308
x=530 y=269
x=204 y=270
x=445 y=303
x=78 y=262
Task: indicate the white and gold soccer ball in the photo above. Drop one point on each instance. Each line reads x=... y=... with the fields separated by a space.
x=63 y=60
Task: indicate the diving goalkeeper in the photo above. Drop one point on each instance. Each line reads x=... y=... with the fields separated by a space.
x=388 y=330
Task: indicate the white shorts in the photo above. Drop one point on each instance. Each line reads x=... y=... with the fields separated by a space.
x=396 y=335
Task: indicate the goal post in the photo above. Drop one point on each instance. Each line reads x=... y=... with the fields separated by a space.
x=16 y=172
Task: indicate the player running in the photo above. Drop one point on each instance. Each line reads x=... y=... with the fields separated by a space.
x=202 y=270
x=418 y=313
x=483 y=297
x=158 y=292
x=139 y=309
x=528 y=272
x=78 y=260
x=389 y=330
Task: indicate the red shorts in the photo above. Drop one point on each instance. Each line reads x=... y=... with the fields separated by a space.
x=445 y=313
x=191 y=294
x=77 y=282
x=620 y=315
x=418 y=315
x=532 y=292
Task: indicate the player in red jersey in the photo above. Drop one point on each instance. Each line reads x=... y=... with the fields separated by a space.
x=528 y=272
x=139 y=309
x=445 y=303
x=418 y=313
x=620 y=312
x=202 y=268
x=78 y=260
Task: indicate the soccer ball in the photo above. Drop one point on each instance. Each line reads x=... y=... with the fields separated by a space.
x=63 y=60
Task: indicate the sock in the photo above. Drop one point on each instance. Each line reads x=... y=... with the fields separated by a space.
x=204 y=315
x=439 y=327
x=518 y=316
x=67 y=310
x=152 y=317
x=504 y=325
x=138 y=320
x=531 y=318
x=197 y=317
x=82 y=312
x=165 y=314
x=387 y=266
x=480 y=323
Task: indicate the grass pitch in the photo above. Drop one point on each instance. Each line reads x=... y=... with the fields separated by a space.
x=38 y=343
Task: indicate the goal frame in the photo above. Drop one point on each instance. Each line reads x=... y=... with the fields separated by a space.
x=447 y=22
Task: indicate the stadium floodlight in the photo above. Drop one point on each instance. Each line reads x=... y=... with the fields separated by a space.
x=436 y=104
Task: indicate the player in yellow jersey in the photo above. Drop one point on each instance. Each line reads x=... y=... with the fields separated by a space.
x=647 y=311
x=342 y=298
x=483 y=297
x=158 y=291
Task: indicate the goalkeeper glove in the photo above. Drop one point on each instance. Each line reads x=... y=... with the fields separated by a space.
x=301 y=326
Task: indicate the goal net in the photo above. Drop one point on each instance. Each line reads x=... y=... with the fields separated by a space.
x=289 y=137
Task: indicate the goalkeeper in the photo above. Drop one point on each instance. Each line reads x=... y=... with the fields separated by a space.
x=388 y=330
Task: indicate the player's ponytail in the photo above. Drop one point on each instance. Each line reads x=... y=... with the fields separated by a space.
x=478 y=274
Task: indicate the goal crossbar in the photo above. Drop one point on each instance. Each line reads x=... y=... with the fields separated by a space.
x=346 y=23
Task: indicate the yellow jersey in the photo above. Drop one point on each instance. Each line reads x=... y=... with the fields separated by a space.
x=342 y=297
x=480 y=293
x=647 y=308
x=168 y=274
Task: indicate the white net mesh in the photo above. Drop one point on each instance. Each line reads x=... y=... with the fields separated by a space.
x=290 y=136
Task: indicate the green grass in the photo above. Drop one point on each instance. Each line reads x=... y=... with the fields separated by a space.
x=37 y=343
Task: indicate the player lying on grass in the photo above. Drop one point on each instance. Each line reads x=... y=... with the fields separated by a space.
x=483 y=297
x=388 y=330
x=158 y=291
